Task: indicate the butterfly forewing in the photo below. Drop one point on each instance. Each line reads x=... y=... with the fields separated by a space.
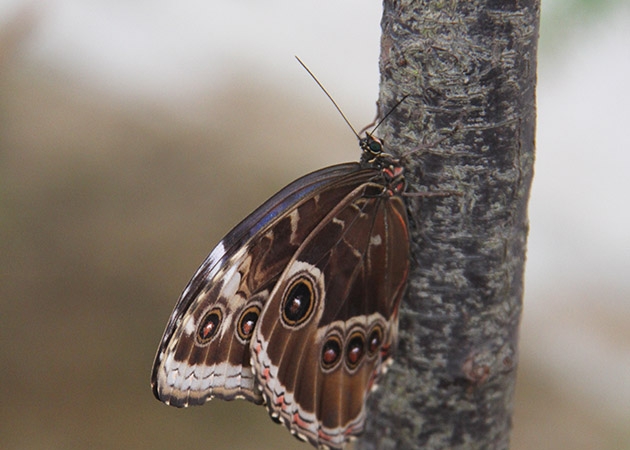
x=328 y=328
x=205 y=348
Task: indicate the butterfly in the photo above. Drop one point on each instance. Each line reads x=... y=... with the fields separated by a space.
x=297 y=306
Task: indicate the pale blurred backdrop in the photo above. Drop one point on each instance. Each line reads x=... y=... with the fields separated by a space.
x=133 y=135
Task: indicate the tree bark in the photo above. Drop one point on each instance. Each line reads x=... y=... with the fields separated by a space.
x=469 y=68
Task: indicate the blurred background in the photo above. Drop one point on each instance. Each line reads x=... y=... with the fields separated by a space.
x=134 y=135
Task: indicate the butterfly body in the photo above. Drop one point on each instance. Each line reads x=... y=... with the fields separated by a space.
x=297 y=306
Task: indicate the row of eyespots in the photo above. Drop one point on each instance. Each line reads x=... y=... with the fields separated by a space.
x=211 y=323
x=298 y=307
x=356 y=347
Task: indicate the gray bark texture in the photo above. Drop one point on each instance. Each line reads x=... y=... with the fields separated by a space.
x=469 y=68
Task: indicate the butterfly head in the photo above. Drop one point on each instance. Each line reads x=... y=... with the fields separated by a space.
x=371 y=145
x=372 y=151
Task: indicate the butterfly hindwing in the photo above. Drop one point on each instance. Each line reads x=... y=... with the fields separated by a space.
x=328 y=328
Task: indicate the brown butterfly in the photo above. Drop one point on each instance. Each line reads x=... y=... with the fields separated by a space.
x=297 y=307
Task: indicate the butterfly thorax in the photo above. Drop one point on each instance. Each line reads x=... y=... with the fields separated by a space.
x=394 y=180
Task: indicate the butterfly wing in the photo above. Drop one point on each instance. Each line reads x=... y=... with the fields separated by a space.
x=330 y=323
x=204 y=351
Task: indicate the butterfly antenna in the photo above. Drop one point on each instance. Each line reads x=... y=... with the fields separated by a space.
x=333 y=101
x=387 y=115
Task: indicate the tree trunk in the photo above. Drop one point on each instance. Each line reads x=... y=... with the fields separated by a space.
x=469 y=68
